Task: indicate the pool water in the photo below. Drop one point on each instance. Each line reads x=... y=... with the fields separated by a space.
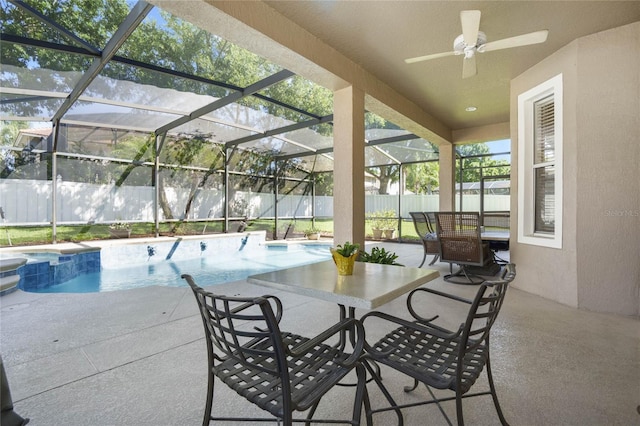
x=208 y=269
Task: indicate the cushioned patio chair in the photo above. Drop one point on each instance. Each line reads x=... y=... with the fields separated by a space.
x=279 y=372
x=461 y=243
x=425 y=228
x=436 y=356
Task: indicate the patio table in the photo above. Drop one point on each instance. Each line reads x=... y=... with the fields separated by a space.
x=501 y=236
x=370 y=286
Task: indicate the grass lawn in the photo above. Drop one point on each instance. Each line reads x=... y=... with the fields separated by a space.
x=32 y=235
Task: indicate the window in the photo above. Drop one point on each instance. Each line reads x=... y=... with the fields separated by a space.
x=540 y=164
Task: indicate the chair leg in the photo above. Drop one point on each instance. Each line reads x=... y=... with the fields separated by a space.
x=207 y=409
x=492 y=387
x=424 y=257
x=367 y=407
x=412 y=388
x=434 y=260
x=361 y=397
x=311 y=412
x=459 y=409
x=386 y=393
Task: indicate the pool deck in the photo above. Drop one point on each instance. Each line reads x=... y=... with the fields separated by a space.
x=137 y=357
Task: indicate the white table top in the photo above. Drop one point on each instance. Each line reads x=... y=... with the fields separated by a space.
x=495 y=235
x=370 y=286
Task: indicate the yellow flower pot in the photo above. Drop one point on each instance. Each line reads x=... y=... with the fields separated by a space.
x=344 y=264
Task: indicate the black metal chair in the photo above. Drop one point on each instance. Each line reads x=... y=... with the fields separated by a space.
x=461 y=243
x=424 y=224
x=279 y=372
x=438 y=357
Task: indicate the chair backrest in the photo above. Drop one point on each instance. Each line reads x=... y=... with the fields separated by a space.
x=460 y=237
x=485 y=308
x=431 y=220
x=244 y=329
x=422 y=223
x=496 y=219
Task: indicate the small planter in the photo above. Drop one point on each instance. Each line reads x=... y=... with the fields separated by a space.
x=389 y=234
x=120 y=233
x=377 y=234
x=313 y=236
x=344 y=264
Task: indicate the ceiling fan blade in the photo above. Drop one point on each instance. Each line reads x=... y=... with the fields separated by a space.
x=427 y=57
x=469 y=67
x=521 y=40
x=470 y=20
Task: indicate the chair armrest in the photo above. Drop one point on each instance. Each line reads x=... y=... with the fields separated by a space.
x=439 y=293
x=349 y=324
x=419 y=318
x=272 y=299
x=429 y=321
x=508 y=274
x=278 y=310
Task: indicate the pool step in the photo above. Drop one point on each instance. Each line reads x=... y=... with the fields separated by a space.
x=9 y=283
x=9 y=277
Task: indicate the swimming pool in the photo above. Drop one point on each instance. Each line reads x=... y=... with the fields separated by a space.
x=208 y=269
x=121 y=265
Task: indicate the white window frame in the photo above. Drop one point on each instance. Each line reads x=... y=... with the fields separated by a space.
x=526 y=181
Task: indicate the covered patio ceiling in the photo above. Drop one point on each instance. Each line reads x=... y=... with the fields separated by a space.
x=59 y=76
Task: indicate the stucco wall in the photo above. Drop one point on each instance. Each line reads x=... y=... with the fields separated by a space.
x=608 y=223
x=549 y=272
x=598 y=267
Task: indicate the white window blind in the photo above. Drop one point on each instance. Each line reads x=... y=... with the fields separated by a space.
x=544 y=167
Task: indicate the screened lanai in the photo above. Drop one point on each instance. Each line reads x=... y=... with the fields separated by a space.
x=123 y=113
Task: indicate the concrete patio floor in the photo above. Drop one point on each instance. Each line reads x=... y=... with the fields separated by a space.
x=138 y=357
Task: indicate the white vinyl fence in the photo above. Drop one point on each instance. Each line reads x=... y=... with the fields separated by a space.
x=28 y=202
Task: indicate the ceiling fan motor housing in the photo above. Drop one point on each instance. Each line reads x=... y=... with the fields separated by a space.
x=460 y=47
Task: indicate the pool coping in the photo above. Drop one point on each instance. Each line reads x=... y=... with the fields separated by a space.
x=94 y=245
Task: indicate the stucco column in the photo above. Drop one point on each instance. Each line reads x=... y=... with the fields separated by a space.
x=447 y=177
x=348 y=166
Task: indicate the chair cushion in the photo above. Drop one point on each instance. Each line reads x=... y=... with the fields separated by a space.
x=431 y=236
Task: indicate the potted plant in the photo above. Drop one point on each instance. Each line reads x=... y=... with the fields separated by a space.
x=344 y=256
x=120 y=229
x=379 y=255
x=389 y=224
x=377 y=225
x=312 y=233
x=383 y=223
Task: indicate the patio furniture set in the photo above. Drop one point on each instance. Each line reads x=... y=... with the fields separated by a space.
x=285 y=373
x=461 y=238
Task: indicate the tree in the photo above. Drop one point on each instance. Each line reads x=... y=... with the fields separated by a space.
x=386 y=175
x=477 y=162
x=422 y=178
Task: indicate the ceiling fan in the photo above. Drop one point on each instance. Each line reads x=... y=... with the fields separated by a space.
x=473 y=40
